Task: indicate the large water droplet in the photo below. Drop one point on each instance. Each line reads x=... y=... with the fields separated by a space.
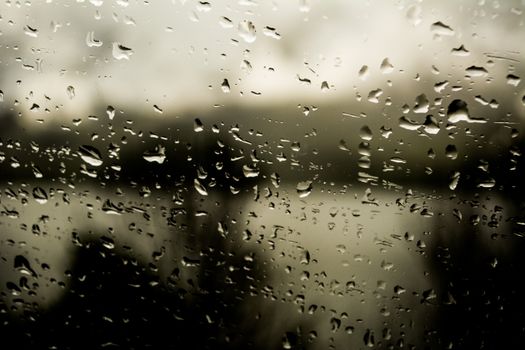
x=155 y=155
x=247 y=31
x=90 y=155
x=304 y=189
x=440 y=28
x=22 y=265
x=121 y=52
x=200 y=187
x=457 y=111
x=40 y=195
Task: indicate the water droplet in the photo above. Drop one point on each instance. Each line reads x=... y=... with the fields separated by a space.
x=457 y=111
x=324 y=86
x=475 y=71
x=373 y=96
x=439 y=28
x=225 y=86
x=249 y=171
x=155 y=155
x=386 y=67
x=247 y=31
x=22 y=265
x=363 y=72
x=91 y=41
x=200 y=187
x=121 y=52
x=157 y=109
x=30 y=31
x=422 y=104
x=70 y=90
x=40 y=195
x=110 y=111
x=369 y=338
x=413 y=14
x=90 y=155
x=513 y=80
x=365 y=133
x=304 y=189
x=197 y=125
x=454 y=179
x=305 y=257
x=225 y=22
x=460 y=51
x=451 y=152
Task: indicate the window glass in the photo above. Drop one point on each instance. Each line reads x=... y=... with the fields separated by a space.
x=279 y=174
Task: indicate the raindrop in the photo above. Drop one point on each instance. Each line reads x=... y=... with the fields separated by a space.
x=413 y=14
x=475 y=71
x=110 y=111
x=225 y=22
x=373 y=96
x=247 y=31
x=121 y=52
x=22 y=265
x=90 y=155
x=324 y=86
x=197 y=125
x=155 y=155
x=225 y=86
x=513 y=80
x=304 y=189
x=457 y=111
x=91 y=41
x=386 y=67
x=365 y=133
x=249 y=171
x=451 y=152
x=454 y=179
x=40 y=195
x=439 y=28
x=422 y=104
x=363 y=72
x=30 y=31
x=70 y=90
x=369 y=338
x=460 y=51
x=200 y=187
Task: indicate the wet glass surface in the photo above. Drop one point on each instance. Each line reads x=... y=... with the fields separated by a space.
x=271 y=175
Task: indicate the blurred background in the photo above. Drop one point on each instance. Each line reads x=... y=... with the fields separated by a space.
x=261 y=174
